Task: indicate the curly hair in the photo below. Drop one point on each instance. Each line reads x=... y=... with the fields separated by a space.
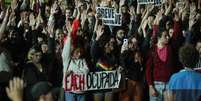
x=188 y=55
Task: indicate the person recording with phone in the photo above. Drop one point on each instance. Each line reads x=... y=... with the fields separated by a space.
x=131 y=62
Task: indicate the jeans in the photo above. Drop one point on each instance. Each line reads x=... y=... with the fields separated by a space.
x=161 y=89
x=74 y=97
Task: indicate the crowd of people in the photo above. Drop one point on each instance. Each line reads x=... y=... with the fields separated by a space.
x=155 y=49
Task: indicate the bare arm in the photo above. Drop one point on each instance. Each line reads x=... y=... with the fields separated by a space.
x=96 y=23
x=121 y=3
x=39 y=20
x=169 y=8
x=192 y=17
x=84 y=18
x=138 y=9
x=78 y=14
x=3 y=25
x=149 y=9
x=66 y=53
x=24 y=4
x=144 y=25
x=158 y=18
x=52 y=12
x=78 y=10
x=132 y=25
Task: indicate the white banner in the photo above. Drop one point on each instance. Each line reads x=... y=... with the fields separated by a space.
x=93 y=81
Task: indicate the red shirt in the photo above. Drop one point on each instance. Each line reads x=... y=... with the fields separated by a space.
x=162 y=65
x=162 y=53
x=75 y=26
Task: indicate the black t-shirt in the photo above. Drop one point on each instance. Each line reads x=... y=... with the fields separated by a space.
x=31 y=76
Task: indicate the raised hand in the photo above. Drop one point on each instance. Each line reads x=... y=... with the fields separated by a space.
x=4 y=23
x=192 y=21
x=78 y=9
x=176 y=17
x=24 y=4
x=168 y=8
x=11 y=20
x=150 y=8
x=79 y=4
x=54 y=7
x=158 y=17
x=69 y=28
x=132 y=11
x=14 y=4
x=97 y=16
x=192 y=17
x=99 y=32
x=8 y=11
x=32 y=20
x=50 y=30
x=115 y=5
x=192 y=7
x=15 y=89
x=51 y=23
x=84 y=17
x=39 y=18
x=88 y=6
x=121 y=2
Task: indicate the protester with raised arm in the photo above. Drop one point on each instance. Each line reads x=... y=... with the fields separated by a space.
x=73 y=63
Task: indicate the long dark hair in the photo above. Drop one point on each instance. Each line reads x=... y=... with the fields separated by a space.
x=105 y=37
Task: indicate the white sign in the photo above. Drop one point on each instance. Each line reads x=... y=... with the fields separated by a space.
x=145 y=1
x=109 y=16
x=92 y=81
x=155 y=2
